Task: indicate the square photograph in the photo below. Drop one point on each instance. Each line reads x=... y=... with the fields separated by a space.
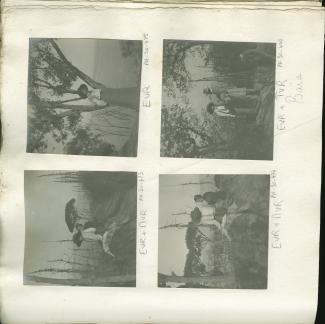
x=83 y=96
x=80 y=228
x=213 y=231
x=218 y=100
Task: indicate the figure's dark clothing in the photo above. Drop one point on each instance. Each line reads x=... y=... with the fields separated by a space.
x=212 y=197
x=242 y=107
x=196 y=215
x=89 y=224
x=124 y=97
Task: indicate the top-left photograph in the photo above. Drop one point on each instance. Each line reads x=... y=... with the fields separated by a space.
x=84 y=96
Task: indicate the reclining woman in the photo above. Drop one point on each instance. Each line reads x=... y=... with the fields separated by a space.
x=89 y=233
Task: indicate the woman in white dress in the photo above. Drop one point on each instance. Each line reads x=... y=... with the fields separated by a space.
x=90 y=235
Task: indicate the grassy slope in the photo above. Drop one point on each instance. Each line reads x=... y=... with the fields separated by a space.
x=249 y=231
x=245 y=258
x=113 y=198
x=250 y=139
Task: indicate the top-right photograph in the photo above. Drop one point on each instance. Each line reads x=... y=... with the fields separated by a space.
x=218 y=100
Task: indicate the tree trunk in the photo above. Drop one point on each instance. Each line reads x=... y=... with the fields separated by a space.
x=224 y=281
x=214 y=149
x=184 y=225
x=99 y=281
x=189 y=184
x=72 y=109
x=78 y=72
x=123 y=97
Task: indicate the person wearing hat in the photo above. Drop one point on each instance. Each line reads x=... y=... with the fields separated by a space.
x=204 y=216
x=205 y=213
x=92 y=95
x=89 y=234
x=210 y=197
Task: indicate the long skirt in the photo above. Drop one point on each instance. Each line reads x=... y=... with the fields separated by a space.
x=122 y=97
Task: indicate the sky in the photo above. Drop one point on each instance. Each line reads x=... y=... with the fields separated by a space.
x=44 y=209
x=174 y=198
x=101 y=60
x=197 y=100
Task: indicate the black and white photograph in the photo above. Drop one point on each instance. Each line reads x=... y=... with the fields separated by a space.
x=84 y=96
x=213 y=231
x=218 y=100
x=80 y=228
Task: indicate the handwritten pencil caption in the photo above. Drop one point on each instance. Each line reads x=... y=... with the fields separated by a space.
x=142 y=218
x=288 y=91
x=146 y=92
x=276 y=211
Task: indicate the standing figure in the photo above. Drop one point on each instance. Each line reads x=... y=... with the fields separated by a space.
x=103 y=96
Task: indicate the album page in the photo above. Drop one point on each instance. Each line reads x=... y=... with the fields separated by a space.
x=160 y=163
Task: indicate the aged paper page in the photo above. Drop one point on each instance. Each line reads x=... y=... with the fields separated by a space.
x=150 y=154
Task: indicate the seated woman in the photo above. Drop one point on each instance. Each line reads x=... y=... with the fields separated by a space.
x=219 y=110
x=210 y=197
x=89 y=234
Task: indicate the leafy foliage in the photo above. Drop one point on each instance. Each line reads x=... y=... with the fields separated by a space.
x=52 y=79
x=85 y=142
x=47 y=70
x=228 y=65
x=245 y=257
x=132 y=49
x=183 y=134
x=175 y=73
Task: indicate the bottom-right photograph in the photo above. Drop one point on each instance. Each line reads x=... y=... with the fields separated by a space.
x=213 y=231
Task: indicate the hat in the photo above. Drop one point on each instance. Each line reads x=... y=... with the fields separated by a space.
x=210 y=107
x=83 y=91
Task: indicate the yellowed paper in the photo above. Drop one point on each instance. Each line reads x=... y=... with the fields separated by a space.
x=293 y=168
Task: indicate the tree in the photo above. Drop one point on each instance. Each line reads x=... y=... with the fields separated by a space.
x=132 y=49
x=184 y=135
x=221 y=281
x=104 y=281
x=85 y=142
x=175 y=73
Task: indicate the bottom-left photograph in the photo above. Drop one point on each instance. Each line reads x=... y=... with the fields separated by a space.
x=80 y=228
